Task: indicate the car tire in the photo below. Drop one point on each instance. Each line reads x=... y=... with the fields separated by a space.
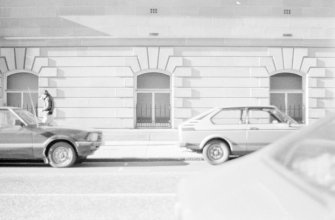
x=61 y=155
x=216 y=152
x=80 y=160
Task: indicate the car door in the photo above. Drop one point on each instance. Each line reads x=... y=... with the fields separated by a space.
x=263 y=128
x=229 y=123
x=15 y=140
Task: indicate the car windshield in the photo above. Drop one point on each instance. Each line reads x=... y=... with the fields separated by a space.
x=26 y=116
x=282 y=117
x=312 y=155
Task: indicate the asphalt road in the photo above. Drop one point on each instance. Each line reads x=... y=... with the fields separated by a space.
x=106 y=189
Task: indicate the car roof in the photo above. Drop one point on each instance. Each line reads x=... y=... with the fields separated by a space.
x=248 y=106
x=8 y=107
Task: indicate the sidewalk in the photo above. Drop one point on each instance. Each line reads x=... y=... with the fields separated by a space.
x=144 y=150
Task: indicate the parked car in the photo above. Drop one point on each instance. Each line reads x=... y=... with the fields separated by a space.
x=22 y=137
x=222 y=132
x=293 y=178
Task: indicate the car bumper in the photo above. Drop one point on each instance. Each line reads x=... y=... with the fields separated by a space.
x=87 y=148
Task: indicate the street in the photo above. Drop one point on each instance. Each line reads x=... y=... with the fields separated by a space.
x=95 y=189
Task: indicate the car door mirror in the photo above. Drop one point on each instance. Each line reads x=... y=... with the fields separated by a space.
x=18 y=123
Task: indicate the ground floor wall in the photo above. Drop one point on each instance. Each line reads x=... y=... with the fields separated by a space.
x=97 y=86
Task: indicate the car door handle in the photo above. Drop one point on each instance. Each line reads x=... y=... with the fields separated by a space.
x=254 y=128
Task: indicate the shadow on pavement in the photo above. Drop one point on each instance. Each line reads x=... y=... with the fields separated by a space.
x=22 y=163
x=133 y=162
x=103 y=162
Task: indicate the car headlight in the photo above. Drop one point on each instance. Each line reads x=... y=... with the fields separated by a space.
x=92 y=136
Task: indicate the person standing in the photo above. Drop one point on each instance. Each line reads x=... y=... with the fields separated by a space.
x=48 y=108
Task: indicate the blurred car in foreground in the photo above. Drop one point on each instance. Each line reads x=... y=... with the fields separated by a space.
x=293 y=178
x=21 y=137
x=222 y=132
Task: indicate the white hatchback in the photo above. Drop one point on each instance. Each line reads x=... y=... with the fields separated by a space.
x=222 y=132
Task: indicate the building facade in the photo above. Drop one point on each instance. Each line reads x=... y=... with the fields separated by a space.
x=103 y=75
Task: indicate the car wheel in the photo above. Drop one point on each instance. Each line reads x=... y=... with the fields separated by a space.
x=62 y=154
x=216 y=152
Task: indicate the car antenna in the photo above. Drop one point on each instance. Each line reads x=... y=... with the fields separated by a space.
x=33 y=107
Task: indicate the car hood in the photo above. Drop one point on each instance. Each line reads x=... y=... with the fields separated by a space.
x=244 y=188
x=47 y=131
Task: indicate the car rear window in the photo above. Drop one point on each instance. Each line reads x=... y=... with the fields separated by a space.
x=228 y=116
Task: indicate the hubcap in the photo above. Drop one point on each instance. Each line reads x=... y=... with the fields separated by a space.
x=62 y=155
x=215 y=152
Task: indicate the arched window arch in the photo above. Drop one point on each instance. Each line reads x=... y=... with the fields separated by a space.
x=153 y=100
x=286 y=92
x=22 y=90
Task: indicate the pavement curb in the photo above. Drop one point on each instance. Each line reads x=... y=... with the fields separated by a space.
x=139 y=143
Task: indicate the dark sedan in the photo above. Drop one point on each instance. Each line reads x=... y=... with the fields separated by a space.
x=23 y=137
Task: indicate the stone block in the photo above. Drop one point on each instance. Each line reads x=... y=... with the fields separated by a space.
x=87 y=82
x=178 y=121
x=260 y=92
x=307 y=63
x=313 y=83
x=313 y=103
x=178 y=102
x=288 y=58
x=182 y=113
x=48 y=72
x=3 y=65
x=81 y=102
x=222 y=61
x=43 y=82
x=88 y=93
x=153 y=54
x=299 y=54
x=173 y=63
x=325 y=61
x=125 y=112
x=178 y=82
x=221 y=92
x=317 y=72
x=95 y=71
x=181 y=71
x=124 y=92
x=215 y=82
x=31 y=53
x=142 y=56
x=164 y=56
x=129 y=82
x=268 y=63
x=317 y=92
x=259 y=72
x=183 y=92
x=9 y=55
x=277 y=55
x=20 y=58
x=39 y=63
x=317 y=113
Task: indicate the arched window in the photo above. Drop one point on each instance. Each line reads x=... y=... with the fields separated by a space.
x=286 y=92
x=153 y=81
x=22 y=90
x=153 y=100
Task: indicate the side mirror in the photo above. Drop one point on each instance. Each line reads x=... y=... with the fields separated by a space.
x=18 y=123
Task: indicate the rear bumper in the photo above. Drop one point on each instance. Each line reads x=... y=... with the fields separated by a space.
x=87 y=148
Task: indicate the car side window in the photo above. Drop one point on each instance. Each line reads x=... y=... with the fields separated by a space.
x=228 y=116
x=260 y=116
x=7 y=119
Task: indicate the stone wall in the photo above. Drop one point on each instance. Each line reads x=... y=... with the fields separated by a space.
x=96 y=86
